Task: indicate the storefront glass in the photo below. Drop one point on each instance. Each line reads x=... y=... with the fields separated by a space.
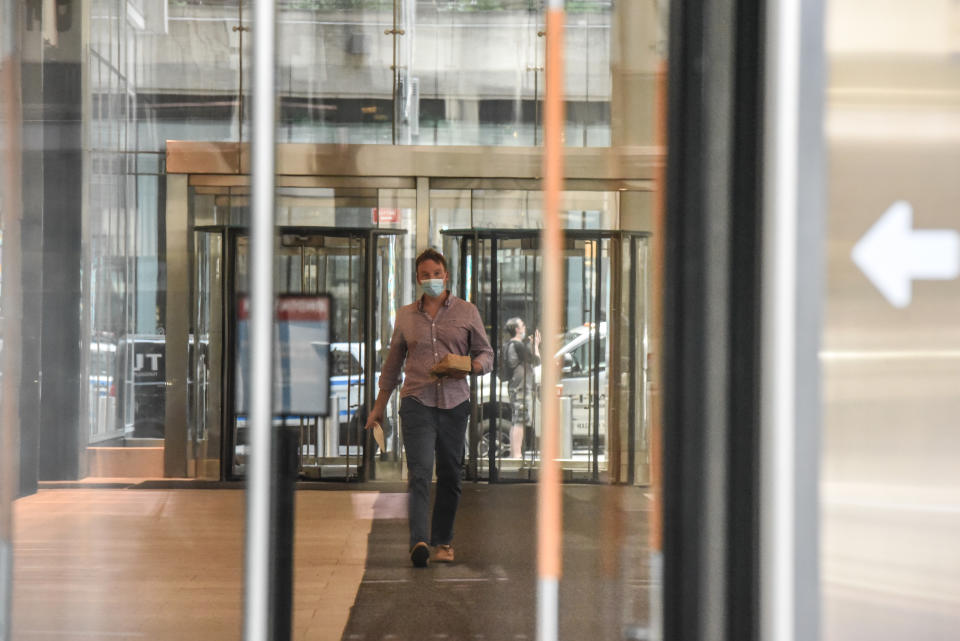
x=127 y=270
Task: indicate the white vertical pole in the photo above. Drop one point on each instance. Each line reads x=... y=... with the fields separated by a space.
x=10 y=186
x=792 y=297
x=258 y=591
x=778 y=361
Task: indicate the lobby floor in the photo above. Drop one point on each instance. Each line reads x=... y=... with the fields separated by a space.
x=165 y=564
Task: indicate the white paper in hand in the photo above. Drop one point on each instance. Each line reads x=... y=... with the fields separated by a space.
x=378 y=436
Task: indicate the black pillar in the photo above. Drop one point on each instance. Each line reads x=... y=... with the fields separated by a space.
x=286 y=463
x=711 y=322
x=52 y=426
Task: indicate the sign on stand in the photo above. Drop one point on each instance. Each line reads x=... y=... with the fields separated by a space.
x=301 y=356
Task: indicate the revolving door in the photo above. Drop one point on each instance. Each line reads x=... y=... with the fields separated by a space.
x=361 y=271
x=602 y=355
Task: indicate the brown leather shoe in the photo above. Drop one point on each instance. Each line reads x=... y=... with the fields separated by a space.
x=443 y=554
x=420 y=555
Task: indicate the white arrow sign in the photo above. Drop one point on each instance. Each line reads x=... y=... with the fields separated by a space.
x=892 y=254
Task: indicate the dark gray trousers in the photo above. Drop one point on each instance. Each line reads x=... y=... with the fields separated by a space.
x=429 y=431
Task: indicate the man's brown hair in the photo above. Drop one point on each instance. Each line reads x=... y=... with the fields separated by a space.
x=431 y=254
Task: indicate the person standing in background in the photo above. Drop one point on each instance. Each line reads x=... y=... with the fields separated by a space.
x=522 y=354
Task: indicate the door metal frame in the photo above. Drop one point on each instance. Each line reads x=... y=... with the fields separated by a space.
x=369 y=466
x=632 y=402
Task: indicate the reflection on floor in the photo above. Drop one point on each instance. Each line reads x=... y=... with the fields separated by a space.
x=167 y=565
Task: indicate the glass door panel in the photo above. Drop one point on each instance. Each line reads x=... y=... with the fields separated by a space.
x=237 y=444
x=335 y=265
x=489 y=422
x=634 y=373
x=336 y=262
x=583 y=357
x=314 y=263
x=519 y=267
x=390 y=288
x=341 y=265
x=493 y=430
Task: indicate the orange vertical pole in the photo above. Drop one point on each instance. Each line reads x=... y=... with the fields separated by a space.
x=659 y=228
x=550 y=505
x=656 y=351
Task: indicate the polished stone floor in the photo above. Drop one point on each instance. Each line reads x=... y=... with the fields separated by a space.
x=166 y=564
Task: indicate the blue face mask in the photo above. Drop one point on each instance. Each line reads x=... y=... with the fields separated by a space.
x=432 y=286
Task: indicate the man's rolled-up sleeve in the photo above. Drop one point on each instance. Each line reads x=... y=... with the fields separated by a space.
x=393 y=365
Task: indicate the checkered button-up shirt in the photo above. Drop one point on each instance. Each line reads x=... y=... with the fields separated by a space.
x=420 y=342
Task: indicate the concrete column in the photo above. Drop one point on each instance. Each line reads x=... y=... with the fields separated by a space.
x=177 y=327
x=635 y=62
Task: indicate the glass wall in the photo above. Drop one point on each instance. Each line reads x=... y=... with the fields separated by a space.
x=518 y=209
x=379 y=72
x=436 y=73
x=93 y=247
x=135 y=74
x=120 y=274
x=190 y=70
x=123 y=274
x=455 y=72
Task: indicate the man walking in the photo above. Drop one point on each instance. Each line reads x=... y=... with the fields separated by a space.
x=433 y=410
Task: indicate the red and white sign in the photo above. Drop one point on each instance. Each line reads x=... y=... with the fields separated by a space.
x=386 y=214
x=292 y=308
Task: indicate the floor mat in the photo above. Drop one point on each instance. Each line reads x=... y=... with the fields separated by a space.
x=489 y=592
